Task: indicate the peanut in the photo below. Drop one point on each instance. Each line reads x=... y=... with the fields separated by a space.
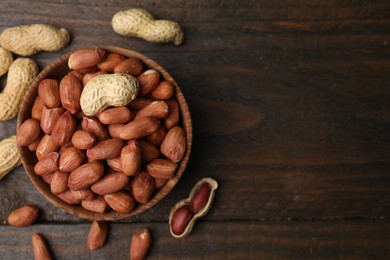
x=108 y=90
x=83 y=140
x=181 y=218
x=139 y=128
x=63 y=129
x=23 y=216
x=148 y=81
x=40 y=248
x=28 y=132
x=83 y=194
x=47 y=164
x=140 y=244
x=161 y=168
x=45 y=147
x=174 y=144
x=164 y=90
x=131 y=158
x=142 y=187
x=98 y=205
x=112 y=59
x=68 y=197
x=132 y=66
x=120 y=201
x=59 y=183
x=106 y=149
x=36 y=110
x=93 y=125
x=140 y=23
x=27 y=40
x=48 y=90
x=21 y=74
x=70 y=92
x=49 y=117
x=85 y=59
x=201 y=197
x=157 y=109
x=115 y=115
x=110 y=183
x=9 y=156
x=71 y=159
x=85 y=175
x=97 y=235
x=5 y=60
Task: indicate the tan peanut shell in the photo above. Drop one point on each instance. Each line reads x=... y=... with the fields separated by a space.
x=9 y=155
x=213 y=185
x=21 y=74
x=102 y=91
x=5 y=60
x=140 y=23
x=26 y=40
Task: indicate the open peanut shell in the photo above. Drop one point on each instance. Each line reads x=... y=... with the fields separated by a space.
x=188 y=201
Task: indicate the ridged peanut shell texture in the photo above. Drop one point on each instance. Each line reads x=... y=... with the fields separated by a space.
x=5 y=60
x=9 y=155
x=21 y=74
x=140 y=23
x=102 y=91
x=26 y=40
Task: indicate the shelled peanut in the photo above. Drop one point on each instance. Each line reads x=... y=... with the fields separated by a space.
x=107 y=134
x=184 y=213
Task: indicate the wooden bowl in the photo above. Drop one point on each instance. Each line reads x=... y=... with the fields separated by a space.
x=56 y=70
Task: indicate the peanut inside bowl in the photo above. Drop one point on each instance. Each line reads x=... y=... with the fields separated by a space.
x=98 y=164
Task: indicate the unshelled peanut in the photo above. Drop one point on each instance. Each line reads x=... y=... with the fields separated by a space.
x=29 y=39
x=5 y=60
x=9 y=156
x=106 y=90
x=140 y=23
x=21 y=74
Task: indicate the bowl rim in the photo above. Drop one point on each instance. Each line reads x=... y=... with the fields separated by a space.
x=77 y=210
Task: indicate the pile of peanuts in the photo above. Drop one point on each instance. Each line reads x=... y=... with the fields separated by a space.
x=107 y=134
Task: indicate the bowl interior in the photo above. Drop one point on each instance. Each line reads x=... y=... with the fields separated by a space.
x=58 y=69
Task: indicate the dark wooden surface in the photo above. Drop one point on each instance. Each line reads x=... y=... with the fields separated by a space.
x=291 y=112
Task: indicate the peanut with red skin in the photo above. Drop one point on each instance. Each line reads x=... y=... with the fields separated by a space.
x=140 y=244
x=48 y=90
x=97 y=235
x=83 y=140
x=98 y=205
x=131 y=158
x=28 y=132
x=132 y=66
x=201 y=197
x=23 y=216
x=181 y=218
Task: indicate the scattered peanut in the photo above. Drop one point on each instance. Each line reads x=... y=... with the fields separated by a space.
x=9 y=156
x=23 y=216
x=140 y=23
x=21 y=74
x=40 y=248
x=97 y=235
x=140 y=244
x=27 y=40
x=5 y=60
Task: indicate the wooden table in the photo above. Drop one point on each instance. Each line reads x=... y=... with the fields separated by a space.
x=290 y=103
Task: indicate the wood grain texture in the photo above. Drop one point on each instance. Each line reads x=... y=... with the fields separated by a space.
x=290 y=104
x=230 y=240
